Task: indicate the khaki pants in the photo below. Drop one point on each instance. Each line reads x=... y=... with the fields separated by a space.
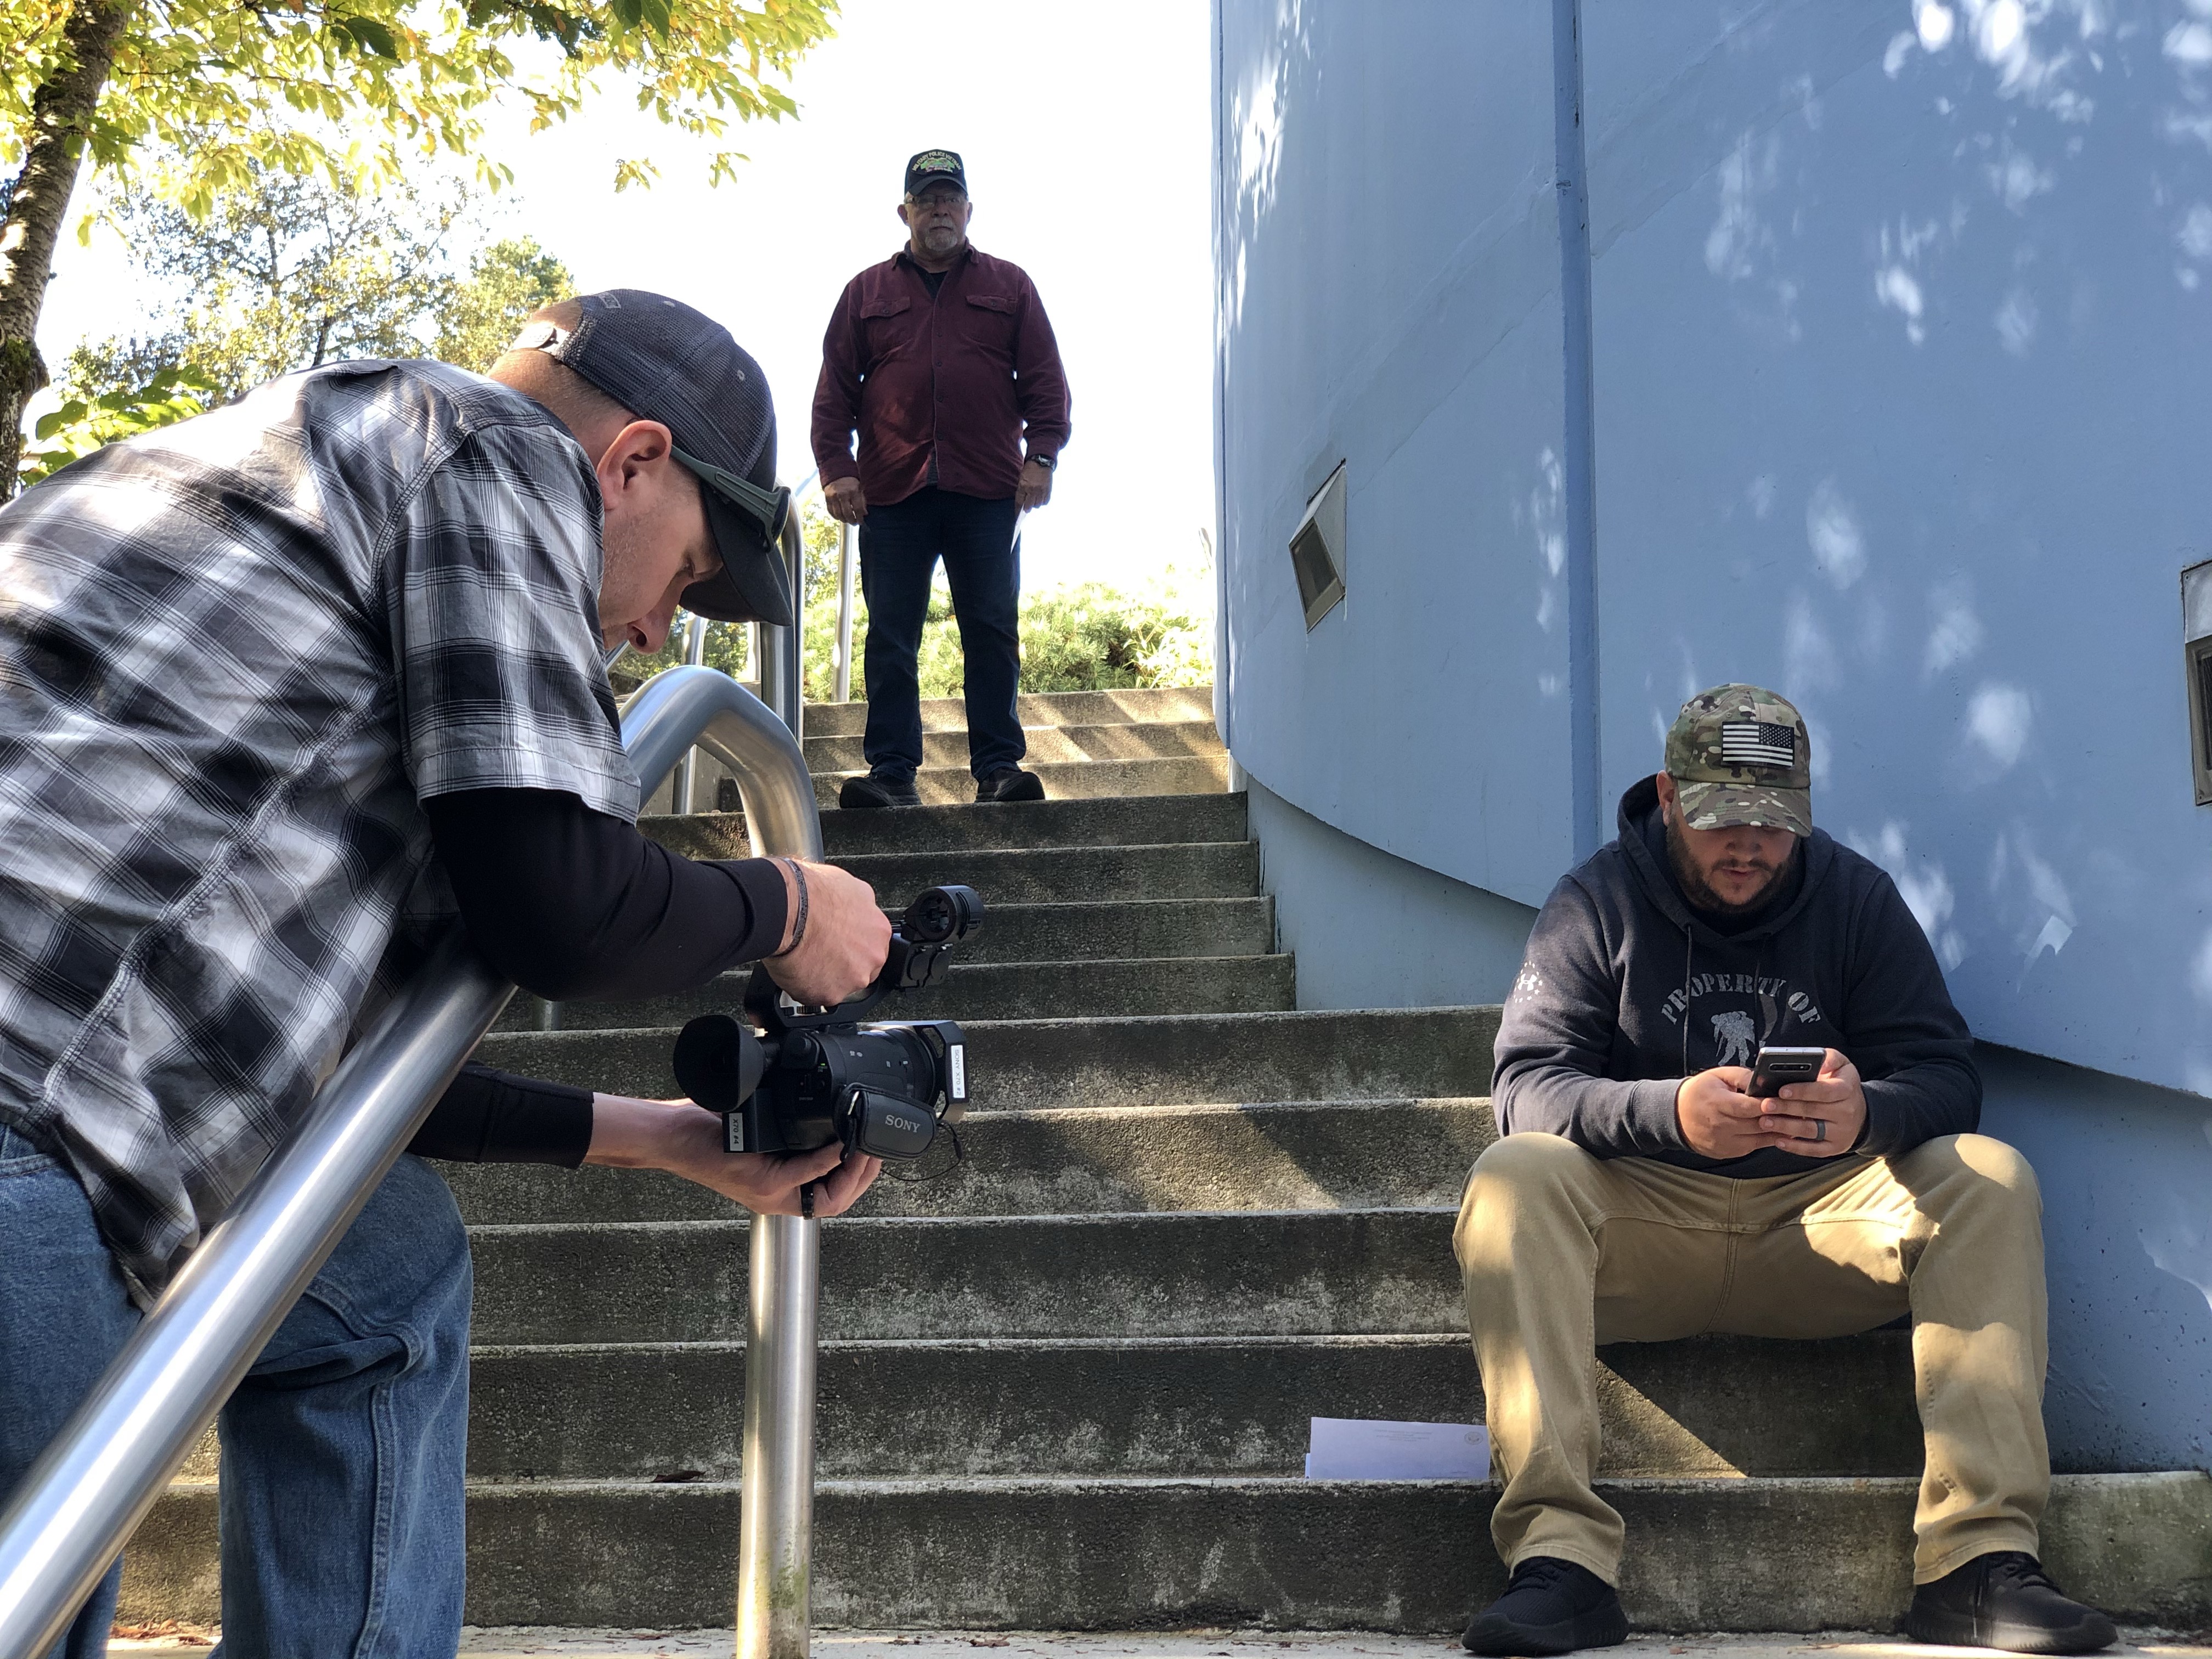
x=1560 y=1251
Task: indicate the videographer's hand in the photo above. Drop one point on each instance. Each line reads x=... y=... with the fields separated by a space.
x=1834 y=1099
x=846 y=502
x=686 y=1140
x=1719 y=1119
x=846 y=938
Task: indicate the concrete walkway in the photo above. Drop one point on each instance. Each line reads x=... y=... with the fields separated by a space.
x=514 y=1642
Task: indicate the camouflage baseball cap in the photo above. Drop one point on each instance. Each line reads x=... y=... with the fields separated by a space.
x=1742 y=755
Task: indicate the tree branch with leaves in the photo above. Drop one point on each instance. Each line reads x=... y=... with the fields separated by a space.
x=229 y=89
x=286 y=275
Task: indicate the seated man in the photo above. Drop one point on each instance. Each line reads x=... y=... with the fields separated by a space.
x=1640 y=1193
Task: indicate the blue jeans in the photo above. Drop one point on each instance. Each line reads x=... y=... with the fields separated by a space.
x=900 y=546
x=343 y=1450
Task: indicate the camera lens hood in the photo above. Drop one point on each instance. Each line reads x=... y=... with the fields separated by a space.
x=719 y=1061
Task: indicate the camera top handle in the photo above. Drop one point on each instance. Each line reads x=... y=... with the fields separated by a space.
x=921 y=953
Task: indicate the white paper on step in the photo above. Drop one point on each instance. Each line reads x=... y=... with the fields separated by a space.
x=1360 y=1449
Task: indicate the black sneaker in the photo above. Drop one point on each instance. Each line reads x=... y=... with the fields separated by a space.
x=2005 y=1601
x=1010 y=783
x=878 y=790
x=1550 y=1606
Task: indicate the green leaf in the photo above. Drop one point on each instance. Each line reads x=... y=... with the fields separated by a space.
x=371 y=36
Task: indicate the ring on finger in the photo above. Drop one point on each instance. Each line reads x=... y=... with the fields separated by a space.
x=1820 y=1128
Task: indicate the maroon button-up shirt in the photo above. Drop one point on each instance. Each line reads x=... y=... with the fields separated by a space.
x=967 y=377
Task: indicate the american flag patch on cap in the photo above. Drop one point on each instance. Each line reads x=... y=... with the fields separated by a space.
x=1755 y=742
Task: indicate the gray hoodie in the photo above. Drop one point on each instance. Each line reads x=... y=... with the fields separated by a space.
x=1626 y=989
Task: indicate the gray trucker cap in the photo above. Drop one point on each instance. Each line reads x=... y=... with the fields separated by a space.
x=665 y=362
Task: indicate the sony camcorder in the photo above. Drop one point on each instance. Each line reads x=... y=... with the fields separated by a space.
x=788 y=1081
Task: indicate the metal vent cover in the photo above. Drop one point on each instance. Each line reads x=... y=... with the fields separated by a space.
x=2196 y=658
x=1317 y=550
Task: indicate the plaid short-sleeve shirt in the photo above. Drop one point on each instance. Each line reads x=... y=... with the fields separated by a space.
x=235 y=655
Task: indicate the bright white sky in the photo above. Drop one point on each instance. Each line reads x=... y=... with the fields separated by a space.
x=1086 y=133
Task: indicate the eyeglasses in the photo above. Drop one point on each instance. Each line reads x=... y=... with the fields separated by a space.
x=936 y=200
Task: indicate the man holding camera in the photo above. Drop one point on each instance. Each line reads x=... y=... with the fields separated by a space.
x=943 y=360
x=1643 y=1190
x=287 y=688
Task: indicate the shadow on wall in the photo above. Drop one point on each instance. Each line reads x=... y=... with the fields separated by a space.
x=2126 y=1171
x=1903 y=312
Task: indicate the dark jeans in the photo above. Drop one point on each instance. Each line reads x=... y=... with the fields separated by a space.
x=342 y=1450
x=900 y=546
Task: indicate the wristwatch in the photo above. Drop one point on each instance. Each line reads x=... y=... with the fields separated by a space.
x=1047 y=462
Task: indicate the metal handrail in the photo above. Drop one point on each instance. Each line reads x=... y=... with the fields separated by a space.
x=695 y=653
x=846 y=536
x=783 y=650
x=101 y=1473
x=776 y=1503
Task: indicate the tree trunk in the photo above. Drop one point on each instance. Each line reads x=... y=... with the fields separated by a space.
x=53 y=151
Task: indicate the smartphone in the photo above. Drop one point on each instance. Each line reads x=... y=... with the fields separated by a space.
x=1776 y=1066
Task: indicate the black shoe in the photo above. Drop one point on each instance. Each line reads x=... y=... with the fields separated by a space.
x=1550 y=1606
x=878 y=790
x=1010 y=783
x=2005 y=1601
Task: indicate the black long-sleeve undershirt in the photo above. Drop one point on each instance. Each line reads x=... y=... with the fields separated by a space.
x=486 y=1116
x=569 y=903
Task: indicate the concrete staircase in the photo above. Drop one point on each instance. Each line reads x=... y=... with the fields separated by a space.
x=1084 y=744
x=1066 y=1383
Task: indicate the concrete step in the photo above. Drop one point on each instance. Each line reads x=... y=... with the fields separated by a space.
x=1046 y=708
x=1787 y=1553
x=945 y=786
x=1247 y=1272
x=1109 y=930
x=1201 y=1642
x=1048 y=745
x=1390 y=1053
x=1120 y=1160
x=1171 y=1406
x=1016 y=990
x=1137 y=821
x=1112 y=930
x=1065 y=875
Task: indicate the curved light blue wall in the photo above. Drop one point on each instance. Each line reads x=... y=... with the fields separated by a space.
x=1895 y=389
x=1388 y=271
x=1901 y=376
x=1904 y=404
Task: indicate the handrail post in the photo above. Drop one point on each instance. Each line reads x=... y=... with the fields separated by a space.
x=776 y=1525
x=775 y=1529
x=794 y=554
x=695 y=653
x=845 y=536
x=65 y=1523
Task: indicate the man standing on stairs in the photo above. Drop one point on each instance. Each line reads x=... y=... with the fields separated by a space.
x=1639 y=1193
x=286 y=689
x=943 y=361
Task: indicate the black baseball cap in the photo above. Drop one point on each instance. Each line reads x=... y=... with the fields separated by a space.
x=664 y=362
x=934 y=167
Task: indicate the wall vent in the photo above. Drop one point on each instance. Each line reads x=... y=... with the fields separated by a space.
x=1317 y=550
x=2196 y=655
